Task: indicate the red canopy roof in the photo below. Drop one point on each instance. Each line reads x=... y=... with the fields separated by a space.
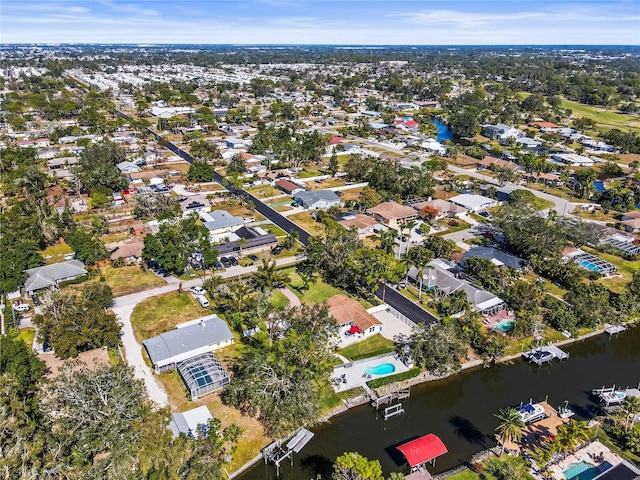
x=423 y=449
x=354 y=329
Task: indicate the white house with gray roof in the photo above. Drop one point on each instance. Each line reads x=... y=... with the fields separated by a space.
x=318 y=199
x=188 y=340
x=221 y=221
x=49 y=276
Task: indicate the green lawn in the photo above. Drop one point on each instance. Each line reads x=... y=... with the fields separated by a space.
x=541 y=203
x=372 y=346
x=464 y=475
x=278 y=300
x=27 y=334
x=330 y=399
x=129 y=279
x=163 y=312
x=55 y=253
x=305 y=221
x=604 y=118
x=624 y=267
x=319 y=291
x=272 y=228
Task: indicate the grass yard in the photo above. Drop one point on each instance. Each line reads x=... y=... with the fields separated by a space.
x=278 y=300
x=163 y=312
x=372 y=346
x=597 y=214
x=328 y=183
x=273 y=228
x=541 y=204
x=624 y=267
x=604 y=118
x=351 y=194
x=236 y=208
x=27 y=335
x=330 y=399
x=319 y=291
x=305 y=221
x=464 y=475
x=311 y=171
x=55 y=253
x=252 y=438
x=129 y=279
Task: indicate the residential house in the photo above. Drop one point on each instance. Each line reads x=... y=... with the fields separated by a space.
x=473 y=203
x=187 y=340
x=364 y=224
x=493 y=163
x=289 y=187
x=504 y=193
x=631 y=222
x=352 y=317
x=49 y=276
x=498 y=257
x=407 y=124
x=233 y=142
x=443 y=207
x=221 y=221
x=572 y=159
x=128 y=167
x=256 y=239
x=528 y=143
x=500 y=132
x=130 y=251
x=439 y=278
x=392 y=213
x=318 y=199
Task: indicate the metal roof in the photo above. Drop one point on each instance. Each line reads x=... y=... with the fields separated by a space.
x=50 y=275
x=200 y=333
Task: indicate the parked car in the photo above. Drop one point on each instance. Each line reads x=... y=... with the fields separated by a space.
x=279 y=285
x=35 y=299
x=202 y=300
x=22 y=307
x=294 y=204
x=217 y=265
x=225 y=261
x=253 y=257
x=276 y=250
x=234 y=261
x=484 y=214
x=197 y=290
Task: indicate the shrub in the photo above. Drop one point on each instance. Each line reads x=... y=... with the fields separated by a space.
x=398 y=377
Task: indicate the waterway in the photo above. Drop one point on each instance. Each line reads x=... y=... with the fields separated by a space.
x=460 y=409
x=444 y=132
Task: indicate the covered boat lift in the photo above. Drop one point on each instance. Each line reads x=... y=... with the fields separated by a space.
x=422 y=450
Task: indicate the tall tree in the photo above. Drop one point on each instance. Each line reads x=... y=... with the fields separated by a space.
x=510 y=427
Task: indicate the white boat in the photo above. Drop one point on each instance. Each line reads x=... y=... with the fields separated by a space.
x=531 y=412
x=539 y=356
x=565 y=411
x=614 y=396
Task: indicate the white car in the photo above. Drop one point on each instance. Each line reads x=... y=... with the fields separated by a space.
x=198 y=291
x=22 y=307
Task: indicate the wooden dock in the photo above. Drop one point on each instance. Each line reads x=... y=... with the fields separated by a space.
x=389 y=398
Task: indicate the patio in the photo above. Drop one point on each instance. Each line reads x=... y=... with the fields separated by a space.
x=595 y=453
x=354 y=374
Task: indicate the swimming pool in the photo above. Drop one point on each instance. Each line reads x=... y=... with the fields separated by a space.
x=581 y=471
x=589 y=266
x=503 y=326
x=382 y=369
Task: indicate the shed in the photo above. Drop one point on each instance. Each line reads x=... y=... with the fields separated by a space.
x=192 y=423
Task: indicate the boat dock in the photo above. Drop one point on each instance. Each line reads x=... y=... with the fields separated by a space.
x=615 y=329
x=277 y=451
x=545 y=354
x=389 y=398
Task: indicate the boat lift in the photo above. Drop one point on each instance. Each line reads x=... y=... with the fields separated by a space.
x=277 y=452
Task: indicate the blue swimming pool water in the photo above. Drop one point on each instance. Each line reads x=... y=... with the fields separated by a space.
x=599 y=186
x=581 y=471
x=382 y=369
x=504 y=325
x=589 y=266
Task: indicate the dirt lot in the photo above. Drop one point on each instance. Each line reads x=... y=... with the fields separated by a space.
x=90 y=358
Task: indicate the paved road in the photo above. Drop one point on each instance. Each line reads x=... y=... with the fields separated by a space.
x=402 y=304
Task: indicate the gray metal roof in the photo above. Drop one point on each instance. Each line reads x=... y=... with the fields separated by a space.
x=222 y=219
x=187 y=422
x=312 y=197
x=202 y=332
x=50 y=275
x=492 y=253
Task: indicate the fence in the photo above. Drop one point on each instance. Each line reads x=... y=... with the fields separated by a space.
x=401 y=317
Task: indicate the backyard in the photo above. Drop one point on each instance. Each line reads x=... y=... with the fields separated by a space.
x=307 y=222
x=319 y=291
x=372 y=346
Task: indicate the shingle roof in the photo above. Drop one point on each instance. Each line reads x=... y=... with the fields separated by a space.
x=50 y=275
x=391 y=210
x=492 y=253
x=314 y=196
x=347 y=310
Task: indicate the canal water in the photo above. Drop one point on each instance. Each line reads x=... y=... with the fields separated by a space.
x=444 y=132
x=460 y=409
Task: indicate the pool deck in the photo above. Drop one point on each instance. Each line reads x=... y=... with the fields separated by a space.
x=589 y=454
x=354 y=371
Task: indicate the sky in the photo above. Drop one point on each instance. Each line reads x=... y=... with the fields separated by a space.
x=352 y=22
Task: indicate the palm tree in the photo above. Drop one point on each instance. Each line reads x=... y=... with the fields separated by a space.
x=291 y=239
x=570 y=435
x=241 y=243
x=267 y=275
x=631 y=408
x=388 y=240
x=510 y=427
